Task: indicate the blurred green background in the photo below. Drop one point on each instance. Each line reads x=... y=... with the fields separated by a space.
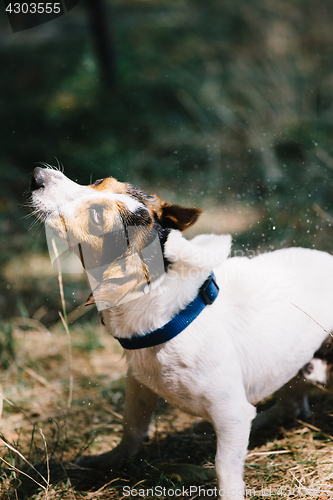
x=225 y=105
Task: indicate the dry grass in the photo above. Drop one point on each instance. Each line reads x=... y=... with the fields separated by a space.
x=63 y=395
x=39 y=425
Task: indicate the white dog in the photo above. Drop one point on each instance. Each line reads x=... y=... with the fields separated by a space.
x=258 y=332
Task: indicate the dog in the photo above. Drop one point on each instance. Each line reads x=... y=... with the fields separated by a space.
x=259 y=321
x=292 y=400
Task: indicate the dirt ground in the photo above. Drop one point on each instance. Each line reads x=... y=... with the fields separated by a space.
x=63 y=396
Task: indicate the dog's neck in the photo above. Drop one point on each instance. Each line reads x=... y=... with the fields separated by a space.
x=191 y=263
x=155 y=309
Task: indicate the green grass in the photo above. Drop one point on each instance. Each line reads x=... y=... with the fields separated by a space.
x=214 y=104
x=214 y=98
x=7 y=345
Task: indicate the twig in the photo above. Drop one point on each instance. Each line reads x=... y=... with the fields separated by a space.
x=299 y=482
x=64 y=321
x=322 y=388
x=61 y=286
x=308 y=315
x=36 y=376
x=24 y=473
x=325 y=157
x=110 y=410
x=70 y=396
x=1 y=401
x=47 y=458
x=73 y=315
x=265 y=453
x=23 y=413
x=313 y=428
x=324 y=215
x=100 y=490
x=10 y=447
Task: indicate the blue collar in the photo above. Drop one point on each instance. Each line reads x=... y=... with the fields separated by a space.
x=206 y=296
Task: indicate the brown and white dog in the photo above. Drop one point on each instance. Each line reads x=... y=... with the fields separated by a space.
x=248 y=343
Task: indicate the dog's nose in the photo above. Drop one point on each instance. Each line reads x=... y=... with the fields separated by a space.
x=38 y=179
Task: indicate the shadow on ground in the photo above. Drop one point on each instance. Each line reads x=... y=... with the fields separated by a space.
x=182 y=457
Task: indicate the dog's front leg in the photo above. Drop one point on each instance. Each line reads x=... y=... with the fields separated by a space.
x=232 y=423
x=140 y=405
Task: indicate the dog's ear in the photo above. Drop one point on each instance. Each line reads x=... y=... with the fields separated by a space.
x=205 y=251
x=177 y=217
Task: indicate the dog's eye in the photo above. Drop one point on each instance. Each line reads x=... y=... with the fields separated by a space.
x=96 y=183
x=96 y=214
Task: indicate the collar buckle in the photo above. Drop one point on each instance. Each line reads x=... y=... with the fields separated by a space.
x=208 y=291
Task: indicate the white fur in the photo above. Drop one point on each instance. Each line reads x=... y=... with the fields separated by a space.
x=64 y=197
x=318 y=372
x=72 y=207
x=239 y=350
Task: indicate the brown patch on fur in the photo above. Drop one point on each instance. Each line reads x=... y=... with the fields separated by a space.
x=86 y=238
x=111 y=184
x=169 y=216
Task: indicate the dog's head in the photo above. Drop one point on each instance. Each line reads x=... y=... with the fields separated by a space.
x=117 y=231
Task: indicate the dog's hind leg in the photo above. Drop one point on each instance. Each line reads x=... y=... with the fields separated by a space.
x=140 y=405
x=291 y=403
